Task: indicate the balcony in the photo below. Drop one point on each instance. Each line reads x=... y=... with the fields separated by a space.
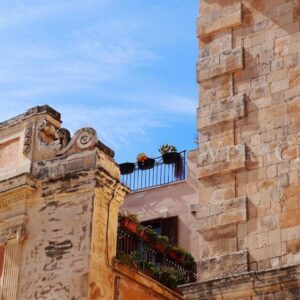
x=142 y=249
x=161 y=174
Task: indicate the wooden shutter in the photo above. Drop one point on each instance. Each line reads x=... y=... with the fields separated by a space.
x=170 y=229
x=1 y=260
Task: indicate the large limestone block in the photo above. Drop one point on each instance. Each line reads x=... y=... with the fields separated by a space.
x=218 y=112
x=214 y=215
x=219 y=19
x=222 y=161
x=228 y=61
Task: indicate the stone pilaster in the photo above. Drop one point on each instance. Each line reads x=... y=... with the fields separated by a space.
x=11 y=239
x=220 y=155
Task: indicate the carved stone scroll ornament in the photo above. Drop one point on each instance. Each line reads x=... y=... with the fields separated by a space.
x=28 y=139
x=58 y=141
x=16 y=233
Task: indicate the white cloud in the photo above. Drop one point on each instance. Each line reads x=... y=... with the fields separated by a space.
x=64 y=49
x=89 y=55
x=116 y=126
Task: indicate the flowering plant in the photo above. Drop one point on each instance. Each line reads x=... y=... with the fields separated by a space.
x=142 y=157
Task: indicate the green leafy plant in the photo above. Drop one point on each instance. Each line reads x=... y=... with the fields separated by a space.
x=166 y=148
x=154 y=240
x=136 y=258
x=129 y=216
x=169 y=276
x=152 y=235
x=163 y=240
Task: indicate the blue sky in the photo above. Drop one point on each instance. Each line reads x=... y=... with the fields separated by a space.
x=124 y=67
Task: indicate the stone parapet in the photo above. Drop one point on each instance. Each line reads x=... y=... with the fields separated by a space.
x=37 y=110
x=222 y=161
x=279 y=283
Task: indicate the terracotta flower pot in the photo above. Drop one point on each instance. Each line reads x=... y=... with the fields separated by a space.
x=124 y=222
x=142 y=234
x=160 y=247
x=132 y=226
x=172 y=254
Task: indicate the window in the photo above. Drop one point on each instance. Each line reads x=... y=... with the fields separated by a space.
x=165 y=226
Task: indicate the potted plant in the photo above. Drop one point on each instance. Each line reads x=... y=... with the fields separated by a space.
x=126 y=168
x=169 y=276
x=144 y=162
x=161 y=243
x=141 y=232
x=129 y=222
x=169 y=154
x=182 y=257
x=172 y=253
x=149 y=236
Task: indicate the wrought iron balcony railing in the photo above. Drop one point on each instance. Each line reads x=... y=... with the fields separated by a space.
x=136 y=253
x=161 y=174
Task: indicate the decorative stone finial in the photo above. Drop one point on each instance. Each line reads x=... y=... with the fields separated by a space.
x=55 y=141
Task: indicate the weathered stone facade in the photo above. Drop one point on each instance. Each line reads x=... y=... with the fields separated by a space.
x=249 y=154
x=59 y=202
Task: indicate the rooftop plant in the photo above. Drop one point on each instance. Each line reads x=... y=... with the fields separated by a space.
x=166 y=148
x=142 y=157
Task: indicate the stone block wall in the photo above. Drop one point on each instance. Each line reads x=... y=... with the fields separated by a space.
x=249 y=143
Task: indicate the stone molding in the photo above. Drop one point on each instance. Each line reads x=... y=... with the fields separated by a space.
x=28 y=139
x=22 y=183
x=11 y=238
x=12 y=200
x=228 y=61
x=29 y=113
x=19 y=194
x=222 y=161
x=219 y=20
x=247 y=285
x=17 y=233
x=220 y=111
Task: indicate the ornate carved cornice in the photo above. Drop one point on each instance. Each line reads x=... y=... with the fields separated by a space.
x=13 y=200
x=19 y=184
x=29 y=113
x=55 y=142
